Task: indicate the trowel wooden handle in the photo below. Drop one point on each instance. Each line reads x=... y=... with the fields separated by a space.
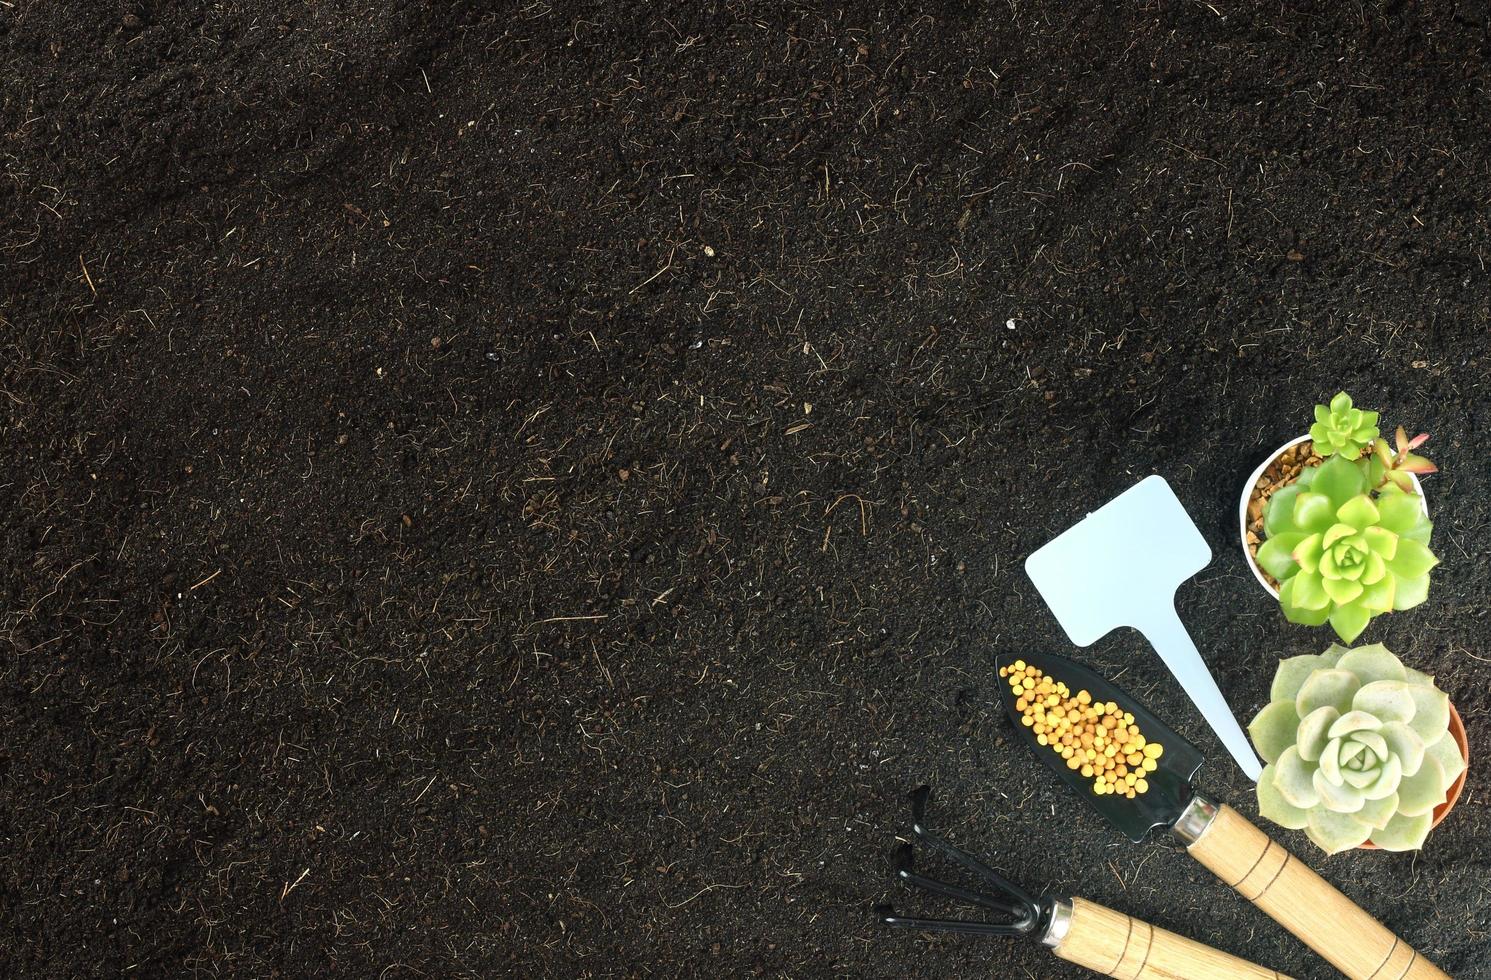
x=1117 y=945
x=1301 y=901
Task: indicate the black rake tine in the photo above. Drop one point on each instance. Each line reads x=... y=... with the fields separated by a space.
x=903 y=860
x=890 y=918
x=919 y=827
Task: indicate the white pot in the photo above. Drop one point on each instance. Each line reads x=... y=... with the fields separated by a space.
x=1247 y=494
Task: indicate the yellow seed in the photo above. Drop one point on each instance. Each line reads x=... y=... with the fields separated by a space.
x=1141 y=785
x=1096 y=737
x=1154 y=750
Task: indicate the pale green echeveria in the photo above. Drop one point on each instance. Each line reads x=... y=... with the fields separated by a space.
x=1358 y=748
x=1342 y=556
x=1342 y=429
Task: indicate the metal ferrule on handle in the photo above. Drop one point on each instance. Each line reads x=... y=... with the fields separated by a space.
x=1267 y=875
x=1195 y=819
x=1058 y=922
x=1117 y=945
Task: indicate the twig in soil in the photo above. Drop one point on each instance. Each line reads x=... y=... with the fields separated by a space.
x=1149 y=853
x=421 y=792
x=570 y=619
x=206 y=580
x=529 y=419
x=1459 y=649
x=706 y=888
x=291 y=887
x=57 y=585
x=609 y=682
x=657 y=273
x=864 y=524
x=86 y=275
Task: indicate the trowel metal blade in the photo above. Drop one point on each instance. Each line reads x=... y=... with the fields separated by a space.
x=1169 y=785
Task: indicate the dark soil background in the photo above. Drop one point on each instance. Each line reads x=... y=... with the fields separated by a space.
x=526 y=491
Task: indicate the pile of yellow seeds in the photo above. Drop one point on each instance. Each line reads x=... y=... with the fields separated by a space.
x=1092 y=736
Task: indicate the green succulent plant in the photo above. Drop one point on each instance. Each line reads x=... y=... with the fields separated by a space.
x=1358 y=748
x=1342 y=552
x=1342 y=429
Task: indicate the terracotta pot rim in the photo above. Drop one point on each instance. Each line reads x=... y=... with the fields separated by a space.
x=1457 y=732
x=1247 y=496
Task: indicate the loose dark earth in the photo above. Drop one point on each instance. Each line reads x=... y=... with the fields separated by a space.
x=528 y=493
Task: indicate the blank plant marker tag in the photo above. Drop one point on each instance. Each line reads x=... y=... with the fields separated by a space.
x=1120 y=566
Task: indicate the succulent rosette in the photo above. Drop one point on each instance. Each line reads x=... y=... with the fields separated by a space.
x=1341 y=428
x=1358 y=748
x=1342 y=554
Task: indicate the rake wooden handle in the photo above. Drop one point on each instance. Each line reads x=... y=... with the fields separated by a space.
x=1117 y=945
x=1301 y=901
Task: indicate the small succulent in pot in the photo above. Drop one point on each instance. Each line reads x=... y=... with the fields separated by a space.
x=1342 y=429
x=1349 y=539
x=1358 y=748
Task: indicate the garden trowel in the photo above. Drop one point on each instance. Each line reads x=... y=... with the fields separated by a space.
x=1120 y=566
x=1223 y=840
